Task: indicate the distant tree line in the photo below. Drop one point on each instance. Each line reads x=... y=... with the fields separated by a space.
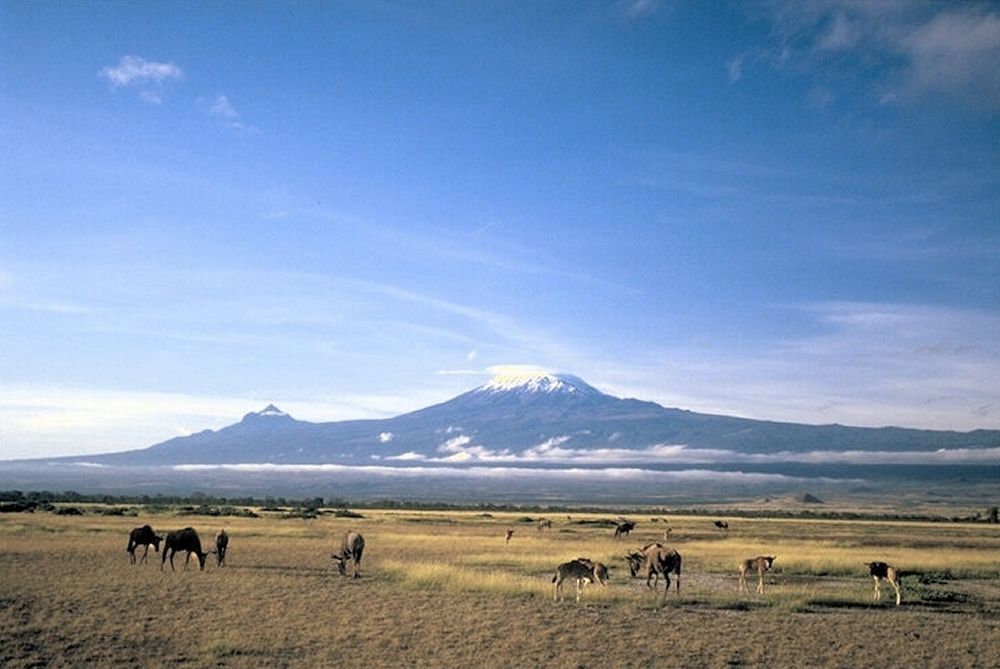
x=202 y=504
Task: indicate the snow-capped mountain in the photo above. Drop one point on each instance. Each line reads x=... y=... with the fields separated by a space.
x=532 y=418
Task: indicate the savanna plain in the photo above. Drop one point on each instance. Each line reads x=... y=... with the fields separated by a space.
x=442 y=589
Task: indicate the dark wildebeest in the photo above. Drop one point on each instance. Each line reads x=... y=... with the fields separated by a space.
x=880 y=570
x=655 y=560
x=142 y=536
x=507 y=536
x=759 y=564
x=623 y=528
x=183 y=540
x=544 y=524
x=722 y=525
x=221 y=545
x=351 y=548
x=583 y=570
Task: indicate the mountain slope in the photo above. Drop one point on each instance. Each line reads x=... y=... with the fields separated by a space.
x=529 y=419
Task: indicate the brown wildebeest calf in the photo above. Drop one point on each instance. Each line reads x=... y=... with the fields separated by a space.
x=142 y=536
x=507 y=536
x=759 y=564
x=623 y=528
x=654 y=560
x=583 y=570
x=880 y=570
x=351 y=548
x=183 y=540
x=221 y=546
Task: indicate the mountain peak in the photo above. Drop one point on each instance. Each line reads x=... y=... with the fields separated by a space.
x=270 y=411
x=526 y=380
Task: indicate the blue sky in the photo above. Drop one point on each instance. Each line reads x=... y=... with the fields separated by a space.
x=781 y=210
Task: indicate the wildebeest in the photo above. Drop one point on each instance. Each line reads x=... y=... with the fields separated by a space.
x=544 y=524
x=507 y=536
x=351 y=548
x=142 y=536
x=759 y=564
x=183 y=540
x=880 y=570
x=652 y=561
x=722 y=525
x=221 y=546
x=623 y=528
x=583 y=570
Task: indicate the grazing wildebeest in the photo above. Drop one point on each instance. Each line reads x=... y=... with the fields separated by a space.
x=507 y=536
x=221 y=545
x=880 y=570
x=142 y=536
x=722 y=525
x=351 y=548
x=183 y=540
x=623 y=528
x=583 y=570
x=544 y=524
x=759 y=564
x=653 y=560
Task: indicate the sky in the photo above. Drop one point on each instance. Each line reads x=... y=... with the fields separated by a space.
x=778 y=210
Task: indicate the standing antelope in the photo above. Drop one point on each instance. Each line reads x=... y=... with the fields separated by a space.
x=880 y=570
x=760 y=564
x=183 y=540
x=142 y=536
x=623 y=528
x=583 y=570
x=654 y=560
x=351 y=548
x=221 y=545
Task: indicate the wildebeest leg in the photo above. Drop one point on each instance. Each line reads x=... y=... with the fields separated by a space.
x=579 y=588
x=760 y=581
x=878 y=590
x=896 y=586
x=145 y=554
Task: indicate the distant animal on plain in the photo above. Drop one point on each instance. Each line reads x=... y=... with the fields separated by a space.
x=142 y=536
x=507 y=536
x=583 y=570
x=722 y=525
x=759 y=564
x=667 y=533
x=654 y=560
x=351 y=548
x=183 y=540
x=881 y=570
x=544 y=524
x=623 y=528
x=221 y=546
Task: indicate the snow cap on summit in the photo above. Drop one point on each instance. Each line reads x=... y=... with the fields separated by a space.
x=527 y=378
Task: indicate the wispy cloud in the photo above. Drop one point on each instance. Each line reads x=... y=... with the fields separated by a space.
x=149 y=78
x=908 y=51
x=222 y=108
x=855 y=363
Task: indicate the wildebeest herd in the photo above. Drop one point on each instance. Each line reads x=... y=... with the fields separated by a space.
x=652 y=560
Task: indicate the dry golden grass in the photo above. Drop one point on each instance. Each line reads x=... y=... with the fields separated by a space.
x=440 y=589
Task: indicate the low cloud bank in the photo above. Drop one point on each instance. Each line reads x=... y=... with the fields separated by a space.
x=568 y=473
x=461 y=449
